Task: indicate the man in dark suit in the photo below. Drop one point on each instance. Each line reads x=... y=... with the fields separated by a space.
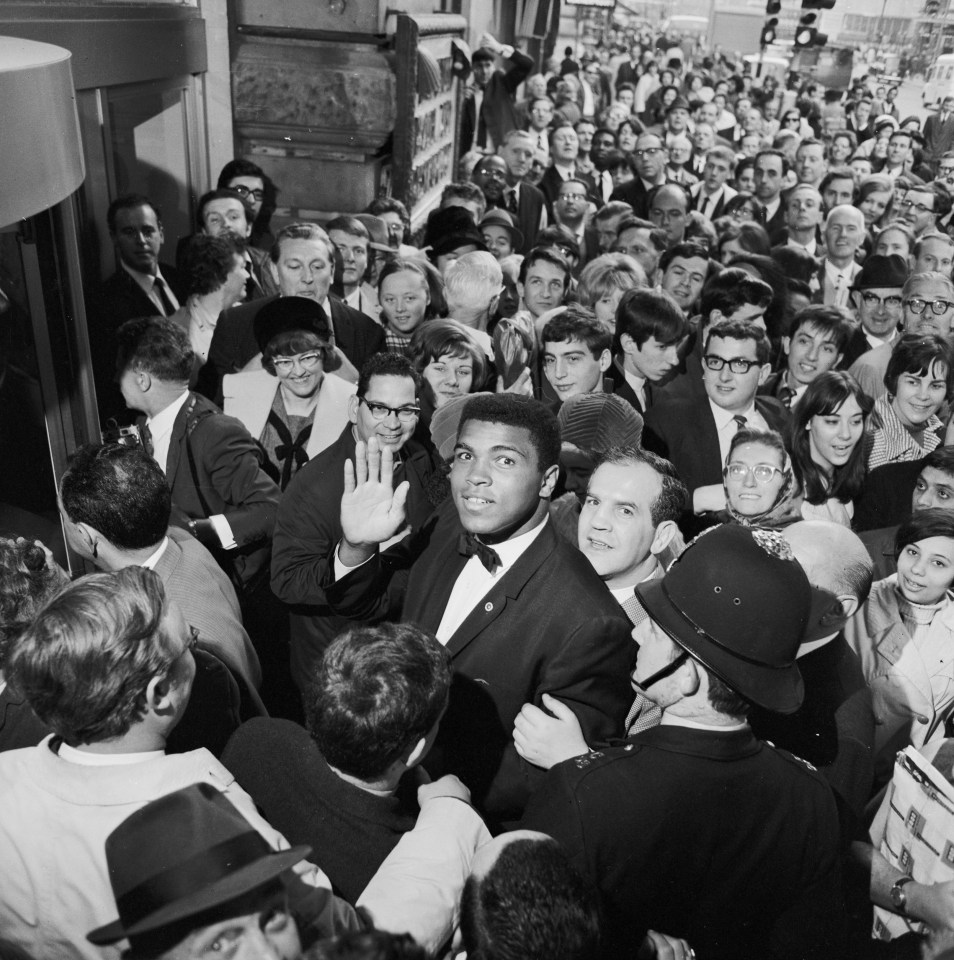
x=523 y=616
x=494 y=89
x=304 y=268
x=650 y=159
x=649 y=329
x=695 y=433
x=939 y=132
x=309 y=525
x=564 y=152
x=713 y=192
x=655 y=821
x=220 y=493
x=140 y=287
x=771 y=166
x=523 y=201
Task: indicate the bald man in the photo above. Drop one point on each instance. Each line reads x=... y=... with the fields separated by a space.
x=834 y=727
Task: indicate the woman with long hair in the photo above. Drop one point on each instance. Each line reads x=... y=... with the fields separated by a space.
x=828 y=452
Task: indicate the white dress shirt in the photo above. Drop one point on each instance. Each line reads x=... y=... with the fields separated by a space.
x=840 y=279
x=638 y=385
x=161 y=428
x=727 y=426
x=475 y=581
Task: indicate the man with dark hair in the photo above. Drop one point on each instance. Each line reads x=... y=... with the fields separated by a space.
x=576 y=352
x=771 y=168
x=642 y=240
x=649 y=329
x=695 y=433
x=140 y=287
x=810 y=162
x=732 y=294
x=215 y=275
x=225 y=211
x=654 y=822
x=373 y=707
x=525 y=899
x=489 y=575
x=684 y=269
x=815 y=343
x=220 y=493
x=712 y=193
x=802 y=217
x=488 y=111
x=302 y=264
x=607 y=219
x=570 y=209
x=668 y=208
x=116 y=506
x=837 y=187
x=604 y=143
x=543 y=281
x=923 y=206
x=564 y=152
x=386 y=406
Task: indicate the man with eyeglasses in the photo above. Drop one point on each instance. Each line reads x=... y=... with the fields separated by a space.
x=922 y=206
x=876 y=298
x=927 y=300
x=386 y=407
x=945 y=171
x=650 y=158
x=695 y=433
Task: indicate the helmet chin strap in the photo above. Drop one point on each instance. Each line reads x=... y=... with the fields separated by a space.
x=670 y=667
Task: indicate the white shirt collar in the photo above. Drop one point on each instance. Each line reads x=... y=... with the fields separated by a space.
x=624 y=593
x=83 y=758
x=162 y=422
x=813 y=645
x=511 y=550
x=150 y=562
x=809 y=247
x=724 y=417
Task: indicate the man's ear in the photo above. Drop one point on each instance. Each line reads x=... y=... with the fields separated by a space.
x=764 y=372
x=787 y=345
x=89 y=536
x=548 y=483
x=627 y=343
x=159 y=698
x=606 y=358
x=353 y=402
x=663 y=536
x=416 y=754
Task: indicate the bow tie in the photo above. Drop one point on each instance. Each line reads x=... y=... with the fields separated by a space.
x=468 y=545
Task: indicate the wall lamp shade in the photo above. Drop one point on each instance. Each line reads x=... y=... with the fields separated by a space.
x=40 y=152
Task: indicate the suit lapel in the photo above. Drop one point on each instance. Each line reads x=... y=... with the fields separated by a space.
x=344 y=334
x=508 y=588
x=175 y=441
x=710 y=453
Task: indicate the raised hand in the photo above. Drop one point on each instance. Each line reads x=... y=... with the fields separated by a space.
x=545 y=740
x=371 y=510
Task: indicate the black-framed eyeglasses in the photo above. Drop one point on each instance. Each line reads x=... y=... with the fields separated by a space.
x=763 y=472
x=917 y=305
x=248 y=192
x=736 y=364
x=873 y=300
x=381 y=411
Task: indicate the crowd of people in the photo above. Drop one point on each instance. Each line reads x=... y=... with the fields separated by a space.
x=561 y=581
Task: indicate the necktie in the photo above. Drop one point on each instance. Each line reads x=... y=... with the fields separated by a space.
x=159 y=286
x=468 y=545
x=740 y=420
x=512 y=205
x=541 y=143
x=145 y=434
x=786 y=394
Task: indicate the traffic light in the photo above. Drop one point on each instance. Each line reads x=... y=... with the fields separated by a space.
x=806 y=34
x=769 y=29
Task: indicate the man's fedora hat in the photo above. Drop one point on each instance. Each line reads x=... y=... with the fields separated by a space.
x=881 y=271
x=680 y=103
x=181 y=855
x=738 y=601
x=285 y=314
x=501 y=218
x=378 y=230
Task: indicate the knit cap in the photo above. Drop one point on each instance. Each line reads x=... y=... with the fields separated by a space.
x=598 y=421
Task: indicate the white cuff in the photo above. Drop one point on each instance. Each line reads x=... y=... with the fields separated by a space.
x=223 y=531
